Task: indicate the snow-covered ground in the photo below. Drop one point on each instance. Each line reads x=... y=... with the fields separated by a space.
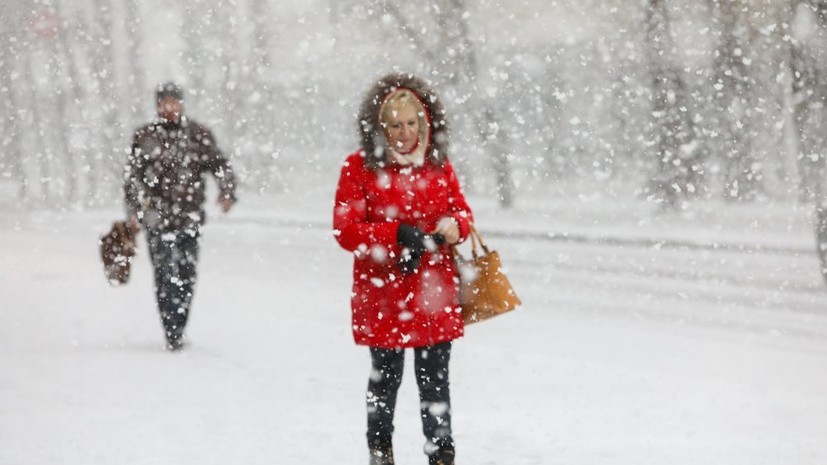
x=633 y=346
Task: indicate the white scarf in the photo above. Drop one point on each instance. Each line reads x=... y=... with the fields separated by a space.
x=415 y=158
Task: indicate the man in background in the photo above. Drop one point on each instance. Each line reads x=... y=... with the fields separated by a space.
x=164 y=192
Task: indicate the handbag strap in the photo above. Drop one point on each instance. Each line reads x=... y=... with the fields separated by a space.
x=476 y=238
x=476 y=244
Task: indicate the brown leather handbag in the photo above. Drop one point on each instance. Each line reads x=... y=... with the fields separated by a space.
x=484 y=290
x=117 y=248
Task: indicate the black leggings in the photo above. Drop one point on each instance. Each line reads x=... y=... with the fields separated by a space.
x=431 y=368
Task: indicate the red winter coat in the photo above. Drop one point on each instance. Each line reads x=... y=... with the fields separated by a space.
x=392 y=309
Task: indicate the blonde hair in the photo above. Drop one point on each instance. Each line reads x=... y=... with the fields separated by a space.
x=401 y=98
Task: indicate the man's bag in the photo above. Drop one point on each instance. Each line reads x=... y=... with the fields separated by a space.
x=117 y=248
x=484 y=290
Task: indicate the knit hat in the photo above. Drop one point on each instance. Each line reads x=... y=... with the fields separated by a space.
x=169 y=89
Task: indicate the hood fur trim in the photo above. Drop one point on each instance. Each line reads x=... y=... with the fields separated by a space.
x=372 y=136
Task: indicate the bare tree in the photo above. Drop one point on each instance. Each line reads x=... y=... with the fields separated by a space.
x=60 y=56
x=212 y=60
x=259 y=94
x=735 y=101
x=11 y=143
x=137 y=76
x=194 y=51
x=108 y=157
x=79 y=40
x=678 y=171
x=40 y=144
x=808 y=58
x=230 y=95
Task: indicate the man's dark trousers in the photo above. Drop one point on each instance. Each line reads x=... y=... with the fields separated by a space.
x=174 y=256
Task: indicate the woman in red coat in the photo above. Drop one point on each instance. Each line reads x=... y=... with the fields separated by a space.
x=398 y=209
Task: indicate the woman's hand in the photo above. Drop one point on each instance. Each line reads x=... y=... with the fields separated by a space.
x=447 y=226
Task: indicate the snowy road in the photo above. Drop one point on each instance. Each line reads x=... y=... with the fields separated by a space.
x=621 y=355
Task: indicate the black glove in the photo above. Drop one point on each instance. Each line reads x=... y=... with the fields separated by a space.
x=415 y=242
x=412 y=240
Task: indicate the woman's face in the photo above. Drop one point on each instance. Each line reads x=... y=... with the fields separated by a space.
x=403 y=129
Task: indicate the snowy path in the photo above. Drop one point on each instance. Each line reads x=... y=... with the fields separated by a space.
x=621 y=355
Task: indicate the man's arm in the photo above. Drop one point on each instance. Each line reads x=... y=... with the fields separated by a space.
x=220 y=167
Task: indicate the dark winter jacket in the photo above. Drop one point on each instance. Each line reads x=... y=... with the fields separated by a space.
x=164 y=180
x=392 y=309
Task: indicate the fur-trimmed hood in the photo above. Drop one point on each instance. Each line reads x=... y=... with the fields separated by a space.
x=370 y=129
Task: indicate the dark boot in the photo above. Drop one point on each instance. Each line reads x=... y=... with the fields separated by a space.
x=381 y=456
x=175 y=341
x=444 y=455
x=381 y=450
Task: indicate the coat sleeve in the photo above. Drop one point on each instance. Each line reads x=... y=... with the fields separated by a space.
x=133 y=179
x=351 y=227
x=457 y=205
x=218 y=165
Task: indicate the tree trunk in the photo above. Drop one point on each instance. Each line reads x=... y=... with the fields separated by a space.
x=110 y=161
x=137 y=74
x=810 y=98
x=742 y=173
x=40 y=149
x=11 y=142
x=192 y=34
x=678 y=170
x=455 y=60
x=263 y=168
x=232 y=109
x=59 y=54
